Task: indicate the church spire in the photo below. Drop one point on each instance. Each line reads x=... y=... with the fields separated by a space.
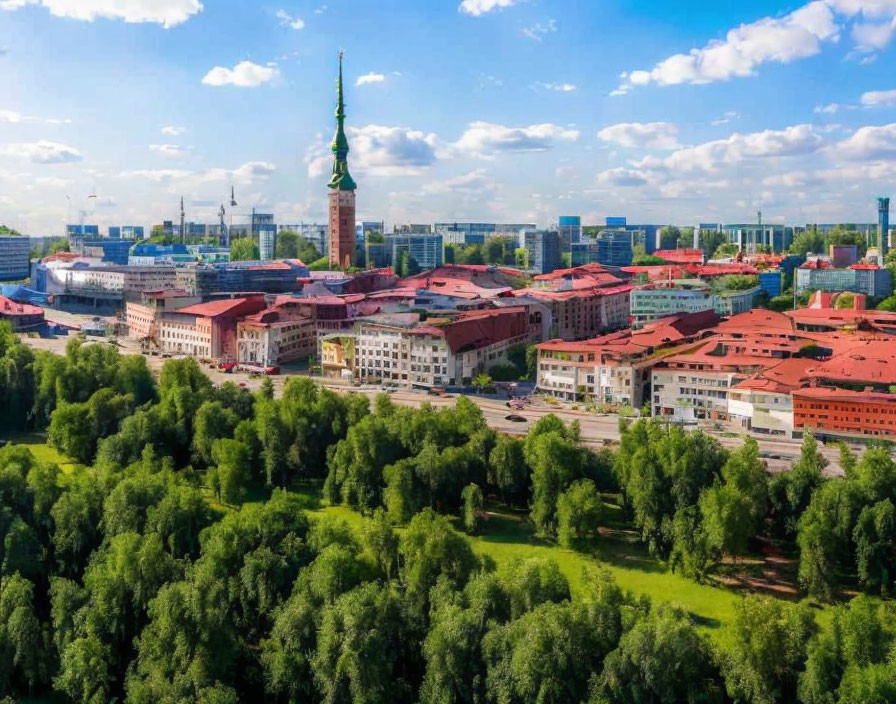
x=341 y=180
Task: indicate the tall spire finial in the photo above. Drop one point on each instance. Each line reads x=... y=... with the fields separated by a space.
x=340 y=179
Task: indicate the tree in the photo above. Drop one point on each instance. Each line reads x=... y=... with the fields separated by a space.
x=662 y=659
x=579 y=511
x=212 y=422
x=767 y=650
x=244 y=249
x=472 y=504
x=532 y=582
x=555 y=462
x=287 y=245
x=234 y=470
x=381 y=542
x=481 y=382
x=732 y=510
x=507 y=469
x=874 y=536
x=791 y=491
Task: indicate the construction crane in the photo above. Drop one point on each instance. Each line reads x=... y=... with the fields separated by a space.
x=82 y=212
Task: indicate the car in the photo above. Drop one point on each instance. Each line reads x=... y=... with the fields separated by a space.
x=514 y=418
x=272 y=370
x=243 y=384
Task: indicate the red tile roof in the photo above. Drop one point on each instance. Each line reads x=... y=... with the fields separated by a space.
x=824 y=393
x=680 y=256
x=11 y=308
x=226 y=306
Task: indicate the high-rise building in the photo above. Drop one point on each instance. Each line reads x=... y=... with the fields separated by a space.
x=14 y=262
x=615 y=247
x=342 y=191
x=544 y=250
x=570 y=227
x=883 y=226
x=264 y=229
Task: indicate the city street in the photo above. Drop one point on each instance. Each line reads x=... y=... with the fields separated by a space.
x=597 y=430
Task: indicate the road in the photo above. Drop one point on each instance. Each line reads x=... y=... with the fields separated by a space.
x=597 y=430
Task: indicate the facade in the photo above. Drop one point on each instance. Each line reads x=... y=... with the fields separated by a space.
x=843 y=412
x=412 y=229
x=122 y=282
x=206 y=330
x=614 y=246
x=544 y=250
x=107 y=250
x=74 y=232
x=22 y=316
x=337 y=356
x=317 y=234
x=581 y=314
x=439 y=353
x=126 y=232
x=582 y=253
x=264 y=230
x=771 y=282
x=650 y=303
x=342 y=192
x=235 y=277
x=749 y=237
x=275 y=336
x=883 y=227
x=14 y=257
x=873 y=281
x=476 y=232
x=142 y=317
x=426 y=250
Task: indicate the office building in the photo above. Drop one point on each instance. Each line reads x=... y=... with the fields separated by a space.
x=615 y=222
x=582 y=253
x=342 y=192
x=544 y=250
x=73 y=232
x=653 y=302
x=614 y=247
x=206 y=330
x=277 y=335
x=570 y=229
x=477 y=232
x=749 y=237
x=412 y=229
x=771 y=282
x=126 y=232
x=883 y=227
x=425 y=250
x=14 y=257
x=819 y=275
x=368 y=227
x=315 y=233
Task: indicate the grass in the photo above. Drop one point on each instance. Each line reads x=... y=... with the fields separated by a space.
x=37 y=443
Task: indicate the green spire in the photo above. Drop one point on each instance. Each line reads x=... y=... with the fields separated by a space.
x=341 y=180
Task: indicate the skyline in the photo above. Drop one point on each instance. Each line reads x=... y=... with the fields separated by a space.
x=486 y=110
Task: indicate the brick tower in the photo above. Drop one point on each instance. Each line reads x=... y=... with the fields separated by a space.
x=342 y=191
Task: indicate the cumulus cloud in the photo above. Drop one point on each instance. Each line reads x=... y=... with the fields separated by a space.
x=879 y=99
x=797 y=35
x=368 y=78
x=649 y=135
x=625 y=178
x=381 y=150
x=172 y=151
x=167 y=13
x=481 y=7
x=538 y=30
x=42 y=152
x=485 y=139
x=245 y=74
x=288 y=20
x=868 y=143
x=13 y=117
x=245 y=174
x=173 y=130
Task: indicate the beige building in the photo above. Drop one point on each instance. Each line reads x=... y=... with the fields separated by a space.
x=273 y=337
x=439 y=352
x=142 y=317
x=206 y=330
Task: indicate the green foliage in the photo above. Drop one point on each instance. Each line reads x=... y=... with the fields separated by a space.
x=579 y=512
x=244 y=249
x=471 y=497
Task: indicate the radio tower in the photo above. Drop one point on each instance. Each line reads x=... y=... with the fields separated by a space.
x=183 y=234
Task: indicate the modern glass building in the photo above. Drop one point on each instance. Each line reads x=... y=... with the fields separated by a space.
x=750 y=236
x=14 y=257
x=771 y=282
x=544 y=250
x=264 y=230
x=570 y=228
x=426 y=250
x=615 y=247
x=126 y=232
x=82 y=231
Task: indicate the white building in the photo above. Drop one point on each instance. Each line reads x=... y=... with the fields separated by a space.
x=273 y=337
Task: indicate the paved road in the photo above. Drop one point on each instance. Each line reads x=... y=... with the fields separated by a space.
x=597 y=430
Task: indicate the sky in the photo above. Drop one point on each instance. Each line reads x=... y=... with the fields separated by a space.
x=457 y=110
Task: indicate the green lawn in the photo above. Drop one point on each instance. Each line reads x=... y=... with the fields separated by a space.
x=37 y=443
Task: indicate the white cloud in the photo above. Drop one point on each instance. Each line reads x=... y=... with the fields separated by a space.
x=559 y=87
x=370 y=78
x=320 y=10
x=13 y=117
x=869 y=143
x=172 y=151
x=829 y=109
x=649 y=135
x=537 y=31
x=484 y=139
x=245 y=74
x=481 y=7
x=726 y=118
x=391 y=150
x=42 y=152
x=167 y=13
x=476 y=181
x=626 y=178
x=173 y=130
x=879 y=99
x=797 y=35
x=246 y=174
x=288 y=20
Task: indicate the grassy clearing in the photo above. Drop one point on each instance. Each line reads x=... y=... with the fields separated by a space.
x=37 y=443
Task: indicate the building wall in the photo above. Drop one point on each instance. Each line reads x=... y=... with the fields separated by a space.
x=649 y=304
x=761 y=411
x=844 y=416
x=14 y=258
x=272 y=344
x=687 y=395
x=342 y=228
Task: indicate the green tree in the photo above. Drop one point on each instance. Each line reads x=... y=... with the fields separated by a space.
x=472 y=508
x=234 y=470
x=579 y=512
x=287 y=245
x=244 y=249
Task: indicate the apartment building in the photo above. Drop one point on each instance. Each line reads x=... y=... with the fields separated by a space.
x=652 y=302
x=275 y=336
x=14 y=257
x=142 y=317
x=206 y=330
x=616 y=368
x=126 y=282
x=844 y=412
x=439 y=352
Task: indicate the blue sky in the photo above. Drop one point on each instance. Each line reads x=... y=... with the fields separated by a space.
x=508 y=110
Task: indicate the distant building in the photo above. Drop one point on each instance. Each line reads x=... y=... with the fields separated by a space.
x=843 y=255
x=365 y=228
x=412 y=229
x=750 y=236
x=544 y=250
x=110 y=251
x=142 y=317
x=236 y=277
x=883 y=227
x=818 y=275
x=614 y=247
x=612 y=221
x=126 y=232
x=317 y=234
x=206 y=330
x=570 y=228
x=14 y=257
x=477 y=232
x=337 y=356
x=653 y=302
x=582 y=253
x=277 y=335
x=426 y=250
x=771 y=281
x=21 y=316
x=82 y=232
